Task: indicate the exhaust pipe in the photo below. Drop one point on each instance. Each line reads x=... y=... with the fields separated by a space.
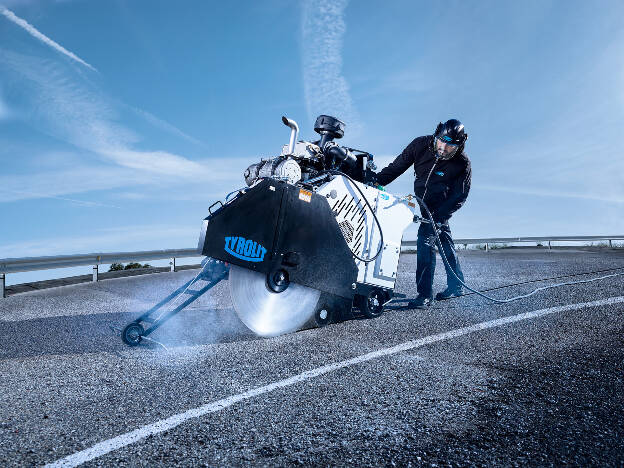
x=294 y=133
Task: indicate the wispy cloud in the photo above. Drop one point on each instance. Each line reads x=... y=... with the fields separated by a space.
x=166 y=126
x=4 y=109
x=42 y=37
x=127 y=238
x=550 y=193
x=326 y=89
x=60 y=183
x=152 y=119
x=78 y=113
x=29 y=194
x=569 y=163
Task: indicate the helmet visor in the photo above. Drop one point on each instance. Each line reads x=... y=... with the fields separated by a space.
x=444 y=147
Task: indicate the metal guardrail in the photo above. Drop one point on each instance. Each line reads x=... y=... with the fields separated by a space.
x=18 y=265
x=511 y=240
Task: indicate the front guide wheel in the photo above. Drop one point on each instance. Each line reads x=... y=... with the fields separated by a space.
x=132 y=334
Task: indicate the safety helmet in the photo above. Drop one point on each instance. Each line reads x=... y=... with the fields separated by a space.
x=449 y=139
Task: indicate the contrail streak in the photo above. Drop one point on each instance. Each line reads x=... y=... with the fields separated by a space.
x=164 y=125
x=326 y=89
x=53 y=197
x=42 y=37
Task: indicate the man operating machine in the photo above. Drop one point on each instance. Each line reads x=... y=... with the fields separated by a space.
x=442 y=179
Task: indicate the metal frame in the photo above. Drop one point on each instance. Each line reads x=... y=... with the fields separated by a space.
x=212 y=272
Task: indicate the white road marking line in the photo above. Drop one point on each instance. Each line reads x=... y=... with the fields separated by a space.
x=131 y=437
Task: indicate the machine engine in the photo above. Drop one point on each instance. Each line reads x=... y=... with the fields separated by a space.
x=304 y=160
x=310 y=236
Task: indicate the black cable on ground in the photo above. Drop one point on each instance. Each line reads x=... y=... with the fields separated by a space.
x=493 y=299
x=544 y=279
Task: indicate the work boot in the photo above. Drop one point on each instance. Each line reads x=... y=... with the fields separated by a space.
x=448 y=293
x=421 y=302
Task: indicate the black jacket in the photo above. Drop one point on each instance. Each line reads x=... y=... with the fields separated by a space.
x=449 y=180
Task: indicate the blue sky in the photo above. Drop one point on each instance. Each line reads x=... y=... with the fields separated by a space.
x=122 y=121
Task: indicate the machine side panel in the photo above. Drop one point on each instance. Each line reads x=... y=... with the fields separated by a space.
x=243 y=231
x=395 y=216
x=361 y=231
x=311 y=246
x=354 y=219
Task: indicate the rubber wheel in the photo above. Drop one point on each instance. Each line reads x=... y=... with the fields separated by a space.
x=323 y=316
x=131 y=335
x=371 y=306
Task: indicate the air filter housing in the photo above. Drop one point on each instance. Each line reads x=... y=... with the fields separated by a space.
x=328 y=125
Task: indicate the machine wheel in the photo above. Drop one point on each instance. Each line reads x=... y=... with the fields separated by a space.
x=323 y=316
x=131 y=335
x=372 y=304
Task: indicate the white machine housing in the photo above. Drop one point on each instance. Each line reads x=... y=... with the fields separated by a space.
x=361 y=232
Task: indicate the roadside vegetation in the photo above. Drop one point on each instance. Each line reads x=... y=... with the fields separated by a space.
x=129 y=266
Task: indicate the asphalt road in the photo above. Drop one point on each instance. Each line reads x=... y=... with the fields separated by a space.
x=541 y=389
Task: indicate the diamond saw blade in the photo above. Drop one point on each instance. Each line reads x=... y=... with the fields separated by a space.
x=266 y=312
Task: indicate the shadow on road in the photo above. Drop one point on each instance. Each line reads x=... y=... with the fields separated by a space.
x=83 y=334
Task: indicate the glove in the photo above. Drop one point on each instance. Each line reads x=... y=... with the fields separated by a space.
x=371 y=179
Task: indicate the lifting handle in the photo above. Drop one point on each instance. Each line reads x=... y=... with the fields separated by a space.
x=211 y=206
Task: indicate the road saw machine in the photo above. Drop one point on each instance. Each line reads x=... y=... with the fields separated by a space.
x=308 y=238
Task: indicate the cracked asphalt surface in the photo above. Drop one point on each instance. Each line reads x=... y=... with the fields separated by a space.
x=544 y=391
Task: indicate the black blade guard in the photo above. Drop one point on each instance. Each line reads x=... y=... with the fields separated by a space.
x=278 y=226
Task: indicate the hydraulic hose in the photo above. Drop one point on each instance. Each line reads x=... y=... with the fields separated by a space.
x=493 y=299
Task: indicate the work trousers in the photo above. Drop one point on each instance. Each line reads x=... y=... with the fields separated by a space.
x=426 y=259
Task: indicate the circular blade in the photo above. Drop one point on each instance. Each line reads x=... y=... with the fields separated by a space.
x=268 y=313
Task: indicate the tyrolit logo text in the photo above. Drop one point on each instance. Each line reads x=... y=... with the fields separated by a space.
x=245 y=249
